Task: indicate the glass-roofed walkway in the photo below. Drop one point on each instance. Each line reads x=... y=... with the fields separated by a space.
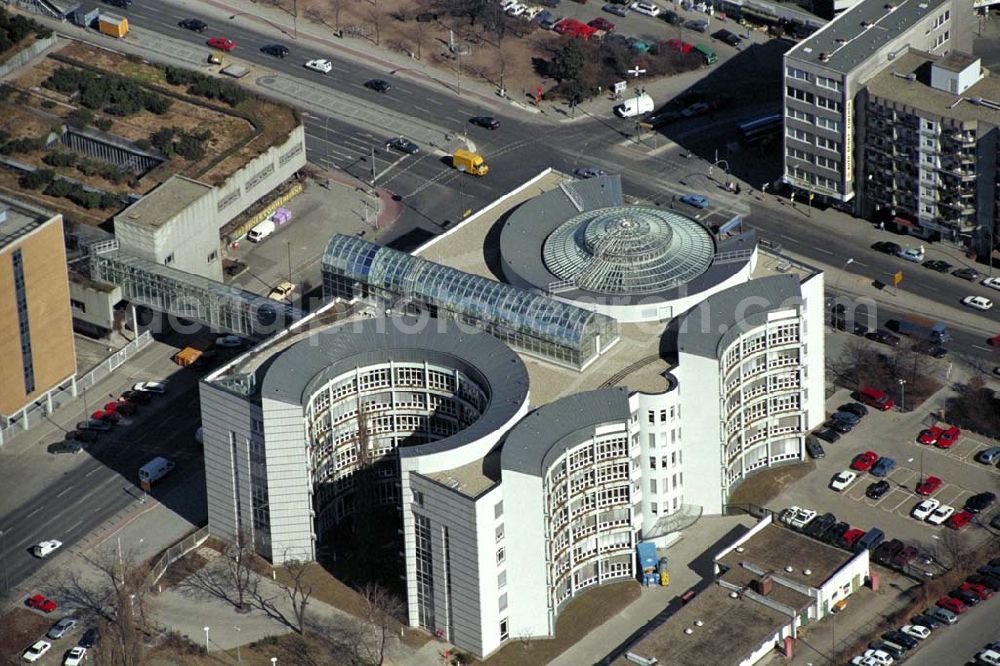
x=181 y=294
x=530 y=322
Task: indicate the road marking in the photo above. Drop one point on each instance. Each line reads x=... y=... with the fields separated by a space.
x=454 y=120
x=420 y=108
x=75 y=525
x=824 y=251
x=982 y=348
x=63 y=491
x=34 y=512
x=96 y=469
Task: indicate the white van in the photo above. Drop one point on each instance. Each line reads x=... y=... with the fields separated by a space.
x=155 y=469
x=46 y=547
x=637 y=105
x=261 y=231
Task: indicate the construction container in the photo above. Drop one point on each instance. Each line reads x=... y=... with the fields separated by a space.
x=113 y=26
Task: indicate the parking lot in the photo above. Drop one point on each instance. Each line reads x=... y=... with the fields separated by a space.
x=893 y=434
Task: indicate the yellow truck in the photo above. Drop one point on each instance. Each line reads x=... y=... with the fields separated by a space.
x=469 y=162
x=114 y=26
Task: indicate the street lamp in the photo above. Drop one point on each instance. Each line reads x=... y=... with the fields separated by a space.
x=206 y=640
x=902 y=397
x=239 y=659
x=274 y=660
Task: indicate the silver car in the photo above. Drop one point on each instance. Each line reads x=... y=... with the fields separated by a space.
x=62 y=627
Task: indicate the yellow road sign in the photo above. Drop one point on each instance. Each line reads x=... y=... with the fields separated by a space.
x=897 y=278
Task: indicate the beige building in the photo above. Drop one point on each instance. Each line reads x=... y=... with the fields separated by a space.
x=37 y=346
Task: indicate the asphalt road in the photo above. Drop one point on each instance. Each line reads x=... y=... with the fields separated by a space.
x=977 y=627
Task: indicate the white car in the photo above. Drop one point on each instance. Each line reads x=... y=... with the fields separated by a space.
x=516 y=10
x=916 y=255
x=940 y=514
x=321 y=65
x=989 y=656
x=978 y=302
x=37 y=651
x=992 y=283
x=841 y=480
x=916 y=630
x=232 y=341
x=863 y=661
x=75 y=656
x=880 y=657
x=46 y=547
x=803 y=518
x=158 y=388
x=925 y=508
x=507 y=4
x=531 y=11
x=647 y=8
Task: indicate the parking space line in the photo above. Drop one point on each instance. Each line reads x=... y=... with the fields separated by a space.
x=906 y=498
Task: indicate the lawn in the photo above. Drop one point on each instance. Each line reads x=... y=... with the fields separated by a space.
x=764 y=486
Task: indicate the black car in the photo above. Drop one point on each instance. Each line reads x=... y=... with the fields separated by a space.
x=833 y=534
x=378 y=85
x=124 y=4
x=402 y=144
x=938 y=265
x=193 y=24
x=905 y=556
x=980 y=502
x=276 y=50
x=967 y=274
x=617 y=10
x=887 y=247
x=489 y=122
x=727 y=37
x=89 y=639
x=671 y=17
x=426 y=17
x=86 y=436
x=932 y=350
x=899 y=638
x=818 y=526
x=697 y=25
x=992 y=582
x=877 y=489
x=855 y=408
x=884 y=336
x=67 y=446
x=139 y=397
x=814 y=448
x=925 y=621
x=841 y=427
x=885 y=553
x=828 y=435
x=967 y=598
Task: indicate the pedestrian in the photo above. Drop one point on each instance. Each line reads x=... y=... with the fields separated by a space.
x=881 y=226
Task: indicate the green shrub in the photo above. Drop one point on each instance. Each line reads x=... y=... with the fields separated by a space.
x=37 y=179
x=104 y=124
x=80 y=117
x=61 y=159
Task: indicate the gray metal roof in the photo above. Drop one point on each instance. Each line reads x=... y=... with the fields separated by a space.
x=164 y=203
x=295 y=373
x=855 y=35
x=541 y=436
x=711 y=324
x=19 y=219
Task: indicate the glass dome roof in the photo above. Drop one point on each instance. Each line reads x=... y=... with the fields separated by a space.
x=628 y=250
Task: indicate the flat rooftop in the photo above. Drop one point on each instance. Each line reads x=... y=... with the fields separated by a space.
x=776 y=548
x=162 y=204
x=732 y=629
x=779 y=593
x=862 y=30
x=474 y=478
x=20 y=219
x=892 y=84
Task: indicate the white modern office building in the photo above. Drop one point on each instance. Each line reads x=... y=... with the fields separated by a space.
x=529 y=443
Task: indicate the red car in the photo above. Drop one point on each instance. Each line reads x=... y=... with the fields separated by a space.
x=221 y=43
x=864 y=461
x=679 y=45
x=948 y=438
x=930 y=435
x=111 y=416
x=38 y=602
x=960 y=520
x=929 y=486
x=980 y=591
x=850 y=538
x=123 y=407
x=602 y=24
x=954 y=605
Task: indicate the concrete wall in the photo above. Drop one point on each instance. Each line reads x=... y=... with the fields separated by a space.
x=660 y=440
x=289 y=482
x=50 y=325
x=93 y=305
x=260 y=176
x=814 y=348
x=21 y=58
x=703 y=433
x=527 y=557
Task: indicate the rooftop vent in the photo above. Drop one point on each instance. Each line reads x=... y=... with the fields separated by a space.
x=789 y=568
x=840 y=40
x=734 y=595
x=890 y=7
x=865 y=25
x=689 y=631
x=739 y=549
x=807 y=572
x=824 y=57
x=699 y=623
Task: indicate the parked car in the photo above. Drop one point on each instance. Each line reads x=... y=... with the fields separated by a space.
x=900 y=638
x=887 y=247
x=988 y=456
x=948 y=438
x=488 y=122
x=938 y=265
x=884 y=554
x=992 y=282
x=977 y=302
x=952 y=604
x=849 y=418
x=966 y=598
x=602 y=23
x=321 y=65
x=193 y=24
x=878 y=489
x=221 y=43
x=65 y=446
x=926 y=621
x=139 y=397
x=864 y=461
x=75 y=656
x=905 y=556
x=834 y=534
x=695 y=200
x=157 y=388
x=855 y=408
x=589 y=172
x=850 y=538
x=645 y=8
x=944 y=615
x=980 y=502
x=989 y=582
x=828 y=435
x=39 y=602
x=924 y=509
x=727 y=37
x=969 y=274
x=839 y=426
x=929 y=486
x=881 y=657
x=914 y=254
x=36 y=651
x=814 y=448
x=940 y=514
x=885 y=337
x=671 y=17
x=62 y=627
x=112 y=417
x=980 y=591
x=92 y=424
x=841 y=480
x=378 y=85
x=617 y=10
x=83 y=436
x=893 y=650
x=818 y=526
x=930 y=435
x=883 y=466
x=90 y=638
x=697 y=25
x=960 y=520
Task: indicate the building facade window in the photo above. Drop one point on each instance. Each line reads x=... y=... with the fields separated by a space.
x=504 y=630
x=800 y=95
x=828 y=83
x=24 y=328
x=828 y=123
x=796 y=73
x=827 y=144
x=798 y=114
x=425 y=571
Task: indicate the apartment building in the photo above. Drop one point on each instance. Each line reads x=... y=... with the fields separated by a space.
x=931 y=149
x=825 y=75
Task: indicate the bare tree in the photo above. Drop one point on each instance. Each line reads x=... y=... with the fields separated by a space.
x=299 y=591
x=375 y=16
x=337 y=6
x=382 y=612
x=420 y=39
x=123 y=620
x=951 y=548
x=238 y=556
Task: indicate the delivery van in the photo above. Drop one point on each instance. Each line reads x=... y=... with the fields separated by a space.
x=155 y=469
x=469 y=162
x=637 y=105
x=261 y=231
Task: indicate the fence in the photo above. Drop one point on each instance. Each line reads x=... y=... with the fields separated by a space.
x=35 y=413
x=24 y=55
x=174 y=553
